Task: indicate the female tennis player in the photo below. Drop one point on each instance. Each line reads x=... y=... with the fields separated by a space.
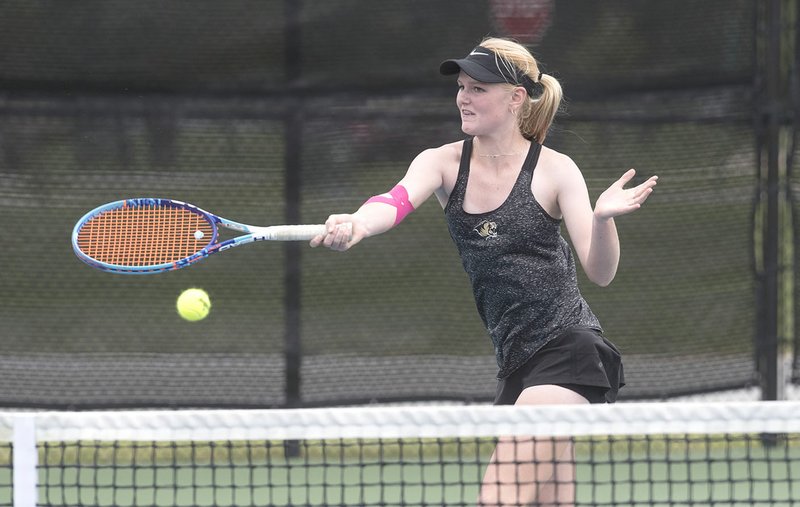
x=505 y=196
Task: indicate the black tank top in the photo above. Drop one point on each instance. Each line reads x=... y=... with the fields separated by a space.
x=521 y=269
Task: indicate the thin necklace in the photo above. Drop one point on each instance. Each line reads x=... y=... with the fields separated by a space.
x=498 y=155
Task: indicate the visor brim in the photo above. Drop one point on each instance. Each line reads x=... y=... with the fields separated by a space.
x=472 y=69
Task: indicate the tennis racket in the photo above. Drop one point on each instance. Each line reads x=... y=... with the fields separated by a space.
x=148 y=236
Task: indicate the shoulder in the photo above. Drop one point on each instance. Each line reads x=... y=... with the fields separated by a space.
x=438 y=167
x=442 y=161
x=556 y=161
x=559 y=168
x=444 y=154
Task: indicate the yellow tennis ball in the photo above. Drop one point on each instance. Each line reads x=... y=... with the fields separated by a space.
x=193 y=304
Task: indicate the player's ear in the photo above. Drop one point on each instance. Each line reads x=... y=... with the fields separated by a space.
x=518 y=97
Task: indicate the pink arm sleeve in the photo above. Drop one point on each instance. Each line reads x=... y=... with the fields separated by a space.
x=398 y=199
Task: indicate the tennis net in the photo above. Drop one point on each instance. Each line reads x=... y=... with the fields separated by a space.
x=731 y=453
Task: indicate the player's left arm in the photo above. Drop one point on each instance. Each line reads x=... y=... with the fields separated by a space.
x=592 y=230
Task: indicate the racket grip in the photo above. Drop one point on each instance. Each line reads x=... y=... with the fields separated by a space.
x=293 y=232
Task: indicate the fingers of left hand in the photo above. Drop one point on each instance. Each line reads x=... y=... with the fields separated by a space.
x=628 y=176
x=641 y=194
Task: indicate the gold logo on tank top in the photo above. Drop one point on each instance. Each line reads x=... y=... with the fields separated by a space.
x=486 y=229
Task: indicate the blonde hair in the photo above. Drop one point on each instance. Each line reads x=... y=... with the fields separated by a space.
x=537 y=114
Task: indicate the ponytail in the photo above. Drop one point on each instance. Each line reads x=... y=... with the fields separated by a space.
x=537 y=114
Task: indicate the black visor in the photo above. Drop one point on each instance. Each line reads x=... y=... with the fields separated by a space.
x=485 y=66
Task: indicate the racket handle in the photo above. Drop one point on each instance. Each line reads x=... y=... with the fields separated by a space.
x=290 y=232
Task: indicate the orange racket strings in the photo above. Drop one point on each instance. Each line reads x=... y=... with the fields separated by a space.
x=144 y=235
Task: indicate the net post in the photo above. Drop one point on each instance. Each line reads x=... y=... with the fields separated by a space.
x=293 y=180
x=769 y=327
x=25 y=460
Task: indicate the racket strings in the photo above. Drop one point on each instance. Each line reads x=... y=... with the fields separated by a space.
x=144 y=235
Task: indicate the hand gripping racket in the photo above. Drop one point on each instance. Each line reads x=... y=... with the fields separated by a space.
x=148 y=236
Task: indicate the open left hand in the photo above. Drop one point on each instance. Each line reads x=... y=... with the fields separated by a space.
x=618 y=200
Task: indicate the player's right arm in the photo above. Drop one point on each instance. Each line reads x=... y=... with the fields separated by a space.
x=382 y=212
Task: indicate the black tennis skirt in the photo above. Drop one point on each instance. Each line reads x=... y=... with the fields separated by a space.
x=580 y=359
